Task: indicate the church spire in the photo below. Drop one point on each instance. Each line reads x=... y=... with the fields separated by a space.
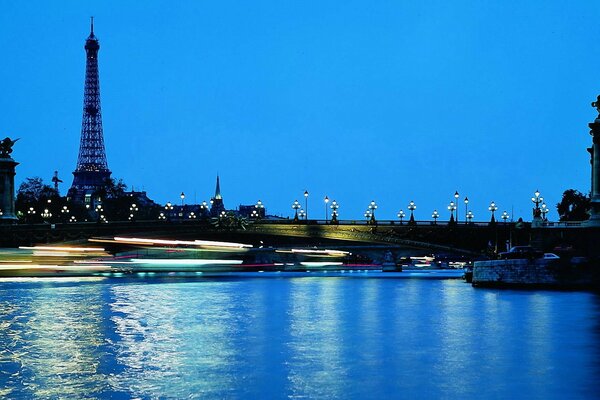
x=218 y=190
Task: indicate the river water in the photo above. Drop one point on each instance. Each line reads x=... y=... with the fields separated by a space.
x=294 y=336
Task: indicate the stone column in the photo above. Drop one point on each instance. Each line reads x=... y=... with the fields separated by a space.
x=595 y=152
x=7 y=189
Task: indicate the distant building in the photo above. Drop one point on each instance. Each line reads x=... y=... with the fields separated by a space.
x=140 y=198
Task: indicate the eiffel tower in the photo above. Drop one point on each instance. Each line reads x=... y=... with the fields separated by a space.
x=92 y=169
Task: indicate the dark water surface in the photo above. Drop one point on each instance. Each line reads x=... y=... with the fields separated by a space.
x=295 y=337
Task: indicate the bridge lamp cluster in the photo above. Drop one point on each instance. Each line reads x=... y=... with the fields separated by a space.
x=72 y=219
x=435 y=216
x=412 y=207
x=46 y=214
x=162 y=216
x=452 y=208
x=401 y=214
x=192 y=215
x=493 y=208
x=544 y=210
x=504 y=216
x=470 y=216
x=296 y=206
x=132 y=210
x=334 y=210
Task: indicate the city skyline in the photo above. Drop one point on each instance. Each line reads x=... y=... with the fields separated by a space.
x=279 y=103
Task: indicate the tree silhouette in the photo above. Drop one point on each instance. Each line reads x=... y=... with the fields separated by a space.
x=574 y=206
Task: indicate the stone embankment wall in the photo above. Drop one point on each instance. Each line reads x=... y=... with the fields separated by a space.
x=526 y=272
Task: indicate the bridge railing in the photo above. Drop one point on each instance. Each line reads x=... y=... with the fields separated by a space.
x=378 y=222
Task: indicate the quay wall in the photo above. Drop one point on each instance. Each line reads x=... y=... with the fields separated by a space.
x=534 y=273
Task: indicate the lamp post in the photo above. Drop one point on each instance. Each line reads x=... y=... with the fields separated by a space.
x=64 y=211
x=452 y=208
x=401 y=216
x=334 y=213
x=192 y=215
x=182 y=195
x=537 y=200
x=435 y=216
x=470 y=217
x=46 y=214
x=132 y=210
x=504 y=217
x=296 y=206
x=412 y=207
x=326 y=200
x=372 y=208
x=204 y=208
x=367 y=215
x=73 y=219
x=30 y=214
x=259 y=208
x=169 y=209
x=99 y=210
x=544 y=210
x=161 y=216
x=306 y=202
x=302 y=214
x=466 y=207
x=254 y=214
x=493 y=209
x=456 y=195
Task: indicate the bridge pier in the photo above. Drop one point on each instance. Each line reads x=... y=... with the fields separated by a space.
x=7 y=186
x=594 y=220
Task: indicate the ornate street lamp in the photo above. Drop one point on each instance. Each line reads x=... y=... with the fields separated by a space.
x=544 y=210
x=168 y=209
x=162 y=216
x=537 y=200
x=306 y=202
x=326 y=200
x=302 y=214
x=452 y=208
x=470 y=217
x=456 y=195
x=493 y=209
x=254 y=214
x=401 y=216
x=182 y=195
x=259 y=209
x=466 y=207
x=192 y=215
x=296 y=206
x=204 y=208
x=505 y=217
x=367 y=215
x=222 y=215
x=412 y=207
x=73 y=219
x=334 y=213
x=132 y=210
x=46 y=214
x=372 y=208
x=435 y=216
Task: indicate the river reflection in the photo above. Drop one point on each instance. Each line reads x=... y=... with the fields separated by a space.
x=306 y=337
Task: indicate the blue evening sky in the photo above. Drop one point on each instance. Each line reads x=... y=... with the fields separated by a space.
x=386 y=100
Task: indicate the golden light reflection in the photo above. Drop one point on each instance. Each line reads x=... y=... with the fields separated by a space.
x=316 y=367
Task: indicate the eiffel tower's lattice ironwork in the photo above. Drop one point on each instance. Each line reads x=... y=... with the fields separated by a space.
x=92 y=169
